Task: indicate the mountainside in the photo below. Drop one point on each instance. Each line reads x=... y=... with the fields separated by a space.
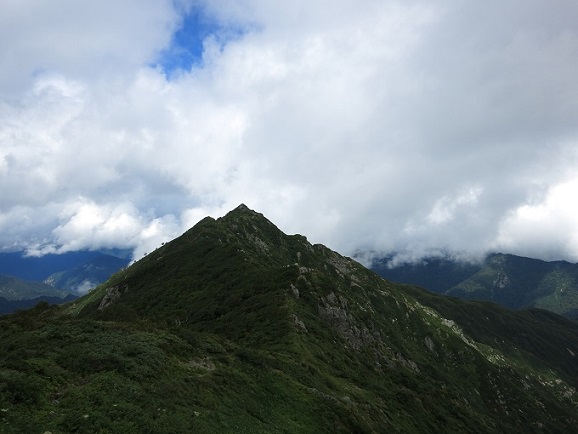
x=511 y=281
x=237 y=327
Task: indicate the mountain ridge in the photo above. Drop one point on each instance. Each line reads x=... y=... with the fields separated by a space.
x=512 y=281
x=237 y=327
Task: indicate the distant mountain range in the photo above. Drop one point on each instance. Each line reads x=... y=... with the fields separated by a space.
x=25 y=281
x=39 y=268
x=17 y=293
x=88 y=275
x=511 y=281
x=10 y=306
x=237 y=327
x=13 y=288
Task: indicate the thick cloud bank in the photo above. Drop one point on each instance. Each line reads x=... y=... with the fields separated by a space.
x=379 y=125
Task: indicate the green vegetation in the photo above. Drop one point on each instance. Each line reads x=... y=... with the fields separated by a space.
x=237 y=327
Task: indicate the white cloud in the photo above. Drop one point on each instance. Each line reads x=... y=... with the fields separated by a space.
x=445 y=209
x=381 y=125
x=84 y=287
x=84 y=223
x=84 y=40
x=544 y=228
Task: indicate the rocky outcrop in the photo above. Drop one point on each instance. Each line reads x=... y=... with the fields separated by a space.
x=502 y=281
x=294 y=291
x=205 y=364
x=333 y=309
x=429 y=343
x=112 y=294
x=299 y=324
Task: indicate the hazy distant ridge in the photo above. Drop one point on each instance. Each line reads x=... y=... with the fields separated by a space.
x=511 y=281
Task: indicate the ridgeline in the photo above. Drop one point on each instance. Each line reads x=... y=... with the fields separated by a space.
x=237 y=327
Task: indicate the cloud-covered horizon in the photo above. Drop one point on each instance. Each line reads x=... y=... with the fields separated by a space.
x=376 y=125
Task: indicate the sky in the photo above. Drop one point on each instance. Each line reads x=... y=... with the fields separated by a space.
x=411 y=126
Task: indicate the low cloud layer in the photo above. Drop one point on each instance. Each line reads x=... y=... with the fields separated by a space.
x=380 y=125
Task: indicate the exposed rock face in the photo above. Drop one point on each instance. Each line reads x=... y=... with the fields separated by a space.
x=112 y=294
x=502 y=281
x=429 y=343
x=406 y=362
x=299 y=324
x=204 y=363
x=333 y=309
x=294 y=291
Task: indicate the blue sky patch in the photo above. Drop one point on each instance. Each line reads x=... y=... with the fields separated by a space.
x=186 y=49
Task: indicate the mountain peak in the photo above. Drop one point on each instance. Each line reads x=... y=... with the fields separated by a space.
x=243 y=211
x=242 y=208
x=277 y=327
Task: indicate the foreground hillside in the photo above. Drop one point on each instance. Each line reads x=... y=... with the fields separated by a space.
x=512 y=281
x=237 y=327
